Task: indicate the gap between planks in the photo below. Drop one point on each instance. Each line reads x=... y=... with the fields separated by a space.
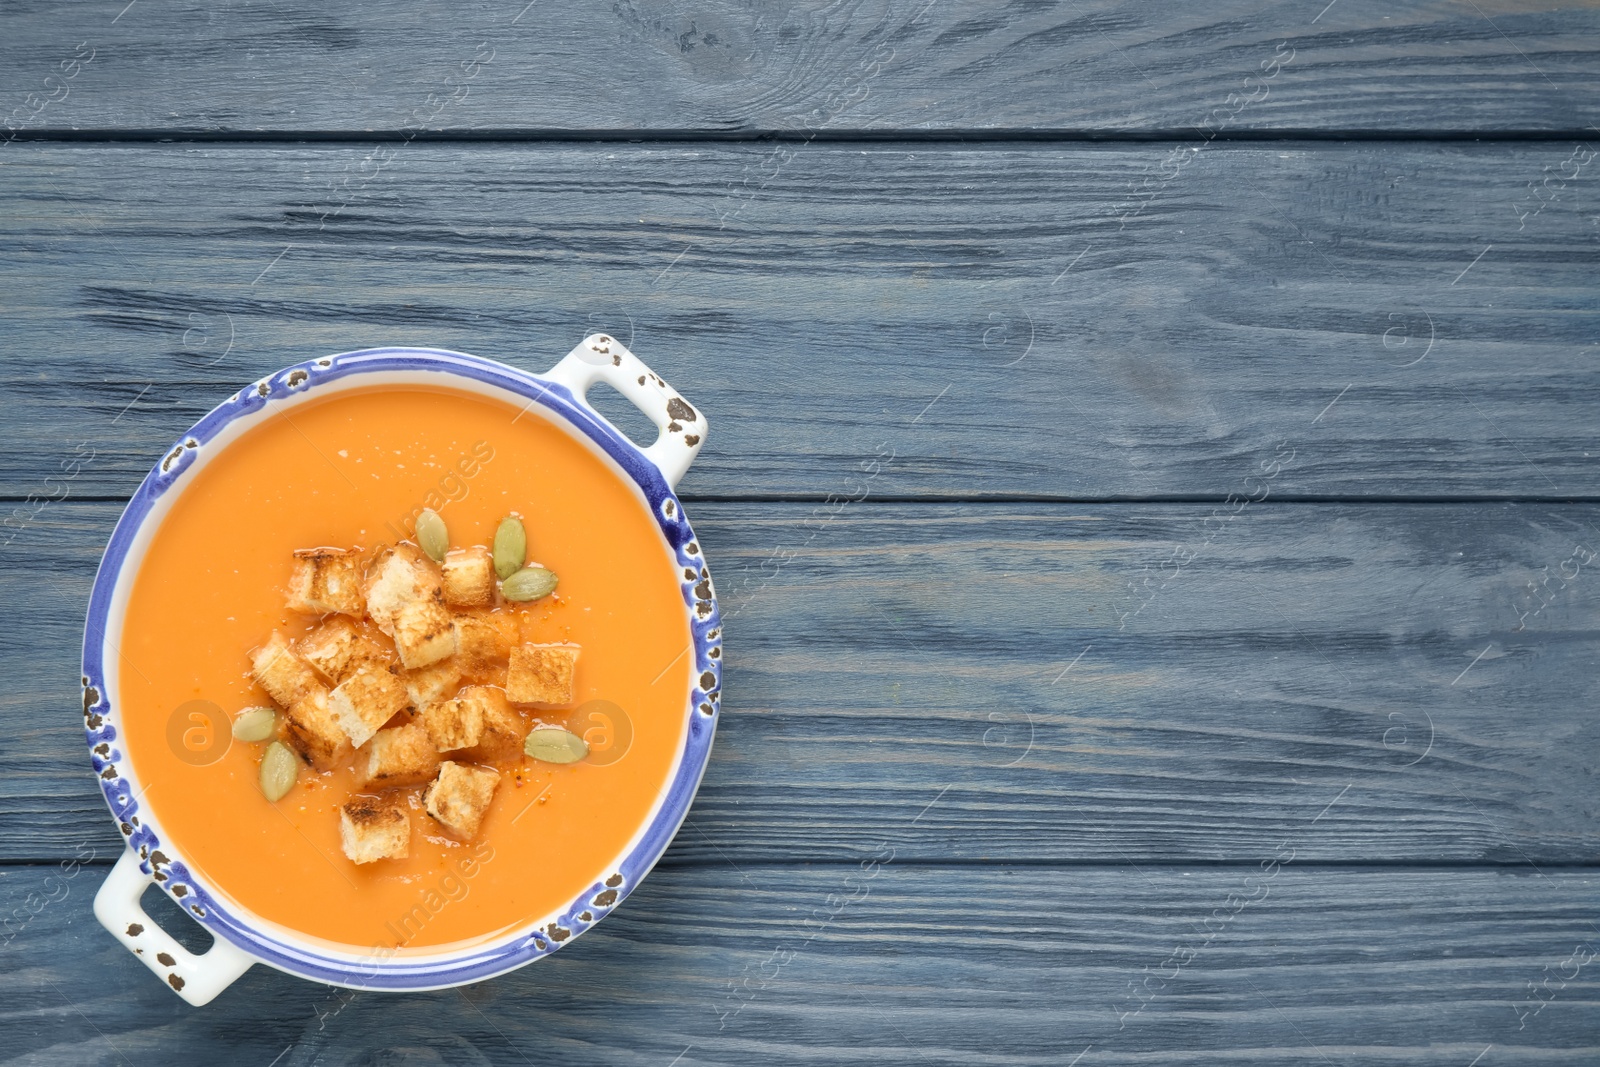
x=889 y=136
x=1354 y=866
x=1001 y=499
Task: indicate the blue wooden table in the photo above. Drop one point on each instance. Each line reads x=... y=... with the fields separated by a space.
x=1154 y=496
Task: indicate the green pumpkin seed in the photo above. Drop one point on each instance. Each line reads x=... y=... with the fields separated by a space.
x=432 y=537
x=530 y=583
x=255 y=724
x=279 y=768
x=510 y=547
x=552 y=744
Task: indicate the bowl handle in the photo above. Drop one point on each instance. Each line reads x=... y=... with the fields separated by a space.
x=602 y=358
x=197 y=979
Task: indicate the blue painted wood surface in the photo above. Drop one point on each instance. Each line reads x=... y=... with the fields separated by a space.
x=888 y=67
x=1030 y=321
x=914 y=965
x=1057 y=664
x=881 y=653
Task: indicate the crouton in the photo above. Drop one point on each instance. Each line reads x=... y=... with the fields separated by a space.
x=484 y=640
x=460 y=796
x=338 y=646
x=424 y=633
x=541 y=674
x=432 y=683
x=453 y=724
x=326 y=580
x=388 y=588
x=366 y=700
x=405 y=598
x=372 y=828
x=402 y=756
x=283 y=674
x=468 y=577
x=311 y=729
x=478 y=722
x=503 y=728
x=398 y=576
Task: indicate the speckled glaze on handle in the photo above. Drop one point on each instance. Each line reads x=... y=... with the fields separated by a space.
x=197 y=979
x=602 y=358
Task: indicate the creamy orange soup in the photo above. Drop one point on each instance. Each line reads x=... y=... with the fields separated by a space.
x=351 y=469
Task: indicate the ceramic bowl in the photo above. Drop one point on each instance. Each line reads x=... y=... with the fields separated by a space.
x=242 y=939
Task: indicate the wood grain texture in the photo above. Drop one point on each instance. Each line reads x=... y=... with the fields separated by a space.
x=901 y=65
x=1027 y=321
x=902 y=965
x=1355 y=670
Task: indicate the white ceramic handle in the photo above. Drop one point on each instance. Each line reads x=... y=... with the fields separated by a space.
x=602 y=358
x=197 y=979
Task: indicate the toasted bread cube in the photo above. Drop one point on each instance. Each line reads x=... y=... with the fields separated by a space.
x=402 y=756
x=453 y=724
x=338 y=646
x=460 y=796
x=503 y=727
x=398 y=576
x=366 y=700
x=541 y=674
x=432 y=683
x=468 y=576
x=372 y=828
x=311 y=729
x=404 y=598
x=388 y=588
x=284 y=675
x=326 y=580
x=424 y=633
x=485 y=640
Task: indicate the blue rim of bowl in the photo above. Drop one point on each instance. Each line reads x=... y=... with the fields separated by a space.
x=380 y=970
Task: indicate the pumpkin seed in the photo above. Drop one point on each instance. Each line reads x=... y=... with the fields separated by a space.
x=432 y=536
x=552 y=744
x=530 y=583
x=510 y=547
x=279 y=769
x=255 y=724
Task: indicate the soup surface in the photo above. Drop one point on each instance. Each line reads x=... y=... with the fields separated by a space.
x=351 y=469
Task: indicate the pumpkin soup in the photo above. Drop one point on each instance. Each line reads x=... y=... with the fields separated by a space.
x=369 y=800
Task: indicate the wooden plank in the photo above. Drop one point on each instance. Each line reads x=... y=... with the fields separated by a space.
x=1085 y=65
x=903 y=965
x=960 y=672
x=1021 y=321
